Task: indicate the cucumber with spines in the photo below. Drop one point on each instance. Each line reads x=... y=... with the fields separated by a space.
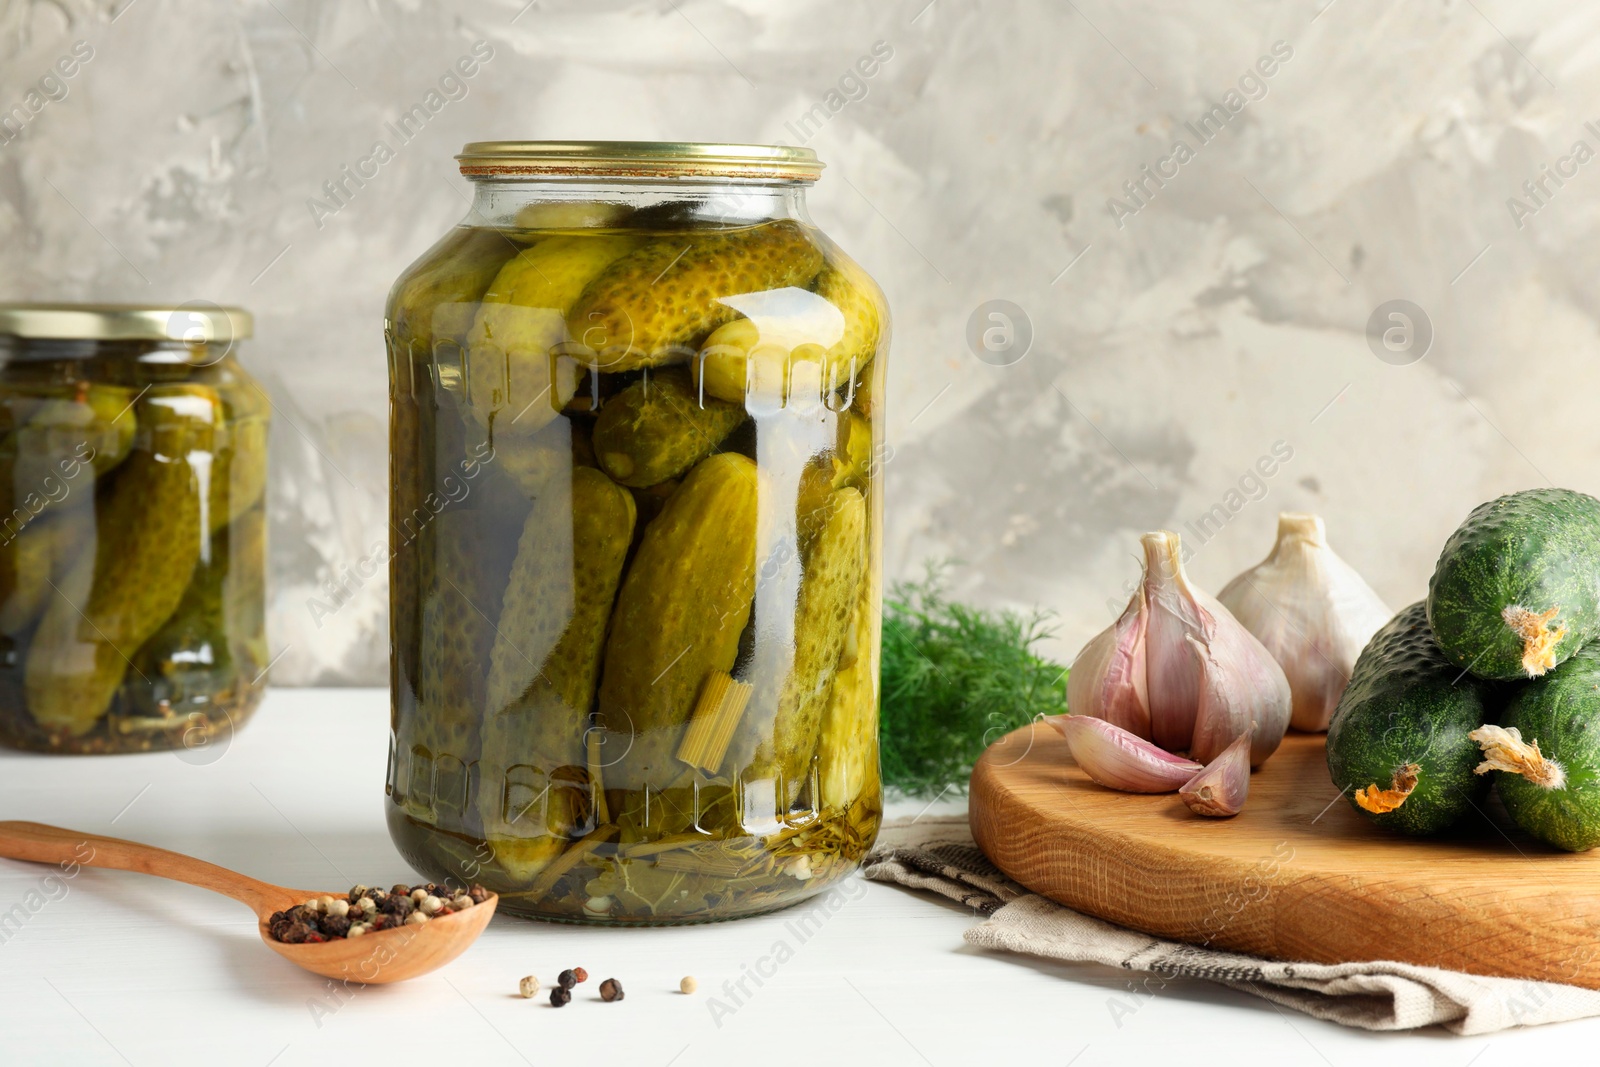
x=1398 y=745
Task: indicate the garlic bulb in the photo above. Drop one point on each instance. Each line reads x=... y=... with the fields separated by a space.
x=1221 y=788
x=1118 y=760
x=1312 y=611
x=1178 y=670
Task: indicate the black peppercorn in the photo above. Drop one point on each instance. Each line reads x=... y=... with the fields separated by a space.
x=560 y=996
x=334 y=925
x=610 y=990
x=478 y=894
x=566 y=979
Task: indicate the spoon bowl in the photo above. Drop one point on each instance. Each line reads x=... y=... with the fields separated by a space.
x=391 y=955
x=377 y=958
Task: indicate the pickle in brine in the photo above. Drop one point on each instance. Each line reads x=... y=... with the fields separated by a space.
x=148 y=541
x=837 y=329
x=42 y=554
x=848 y=747
x=682 y=607
x=238 y=475
x=822 y=624
x=657 y=428
x=438 y=302
x=188 y=662
x=463 y=572
x=654 y=305
x=517 y=380
x=534 y=791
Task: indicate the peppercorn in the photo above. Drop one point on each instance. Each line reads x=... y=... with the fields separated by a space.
x=398 y=906
x=334 y=925
x=477 y=893
x=567 y=979
x=298 y=933
x=610 y=990
x=528 y=987
x=580 y=974
x=560 y=996
x=688 y=985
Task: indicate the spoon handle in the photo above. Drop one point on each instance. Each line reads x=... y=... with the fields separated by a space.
x=38 y=843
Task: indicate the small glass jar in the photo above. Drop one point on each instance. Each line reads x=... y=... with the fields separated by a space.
x=636 y=528
x=133 y=467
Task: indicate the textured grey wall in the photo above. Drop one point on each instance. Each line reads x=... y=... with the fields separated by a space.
x=1178 y=331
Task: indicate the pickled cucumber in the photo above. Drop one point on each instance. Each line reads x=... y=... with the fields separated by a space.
x=244 y=594
x=189 y=661
x=44 y=550
x=848 y=746
x=544 y=667
x=652 y=306
x=682 y=607
x=464 y=565
x=531 y=462
x=552 y=628
x=99 y=416
x=148 y=543
x=839 y=334
x=822 y=625
x=657 y=428
x=439 y=301
x=513 y=365
x=238 y=475
x=847 y=287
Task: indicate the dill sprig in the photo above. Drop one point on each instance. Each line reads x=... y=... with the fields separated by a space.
x=954 y=680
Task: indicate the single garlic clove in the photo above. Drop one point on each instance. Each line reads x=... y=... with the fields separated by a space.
x=1311 y=611
x=1172 y=671
x=1118 y=760
x=1221 y=788
x=1107 y=679
x=1243 y=691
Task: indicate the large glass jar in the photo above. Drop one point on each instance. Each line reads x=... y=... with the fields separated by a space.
x=636 y=526
x=133 y=465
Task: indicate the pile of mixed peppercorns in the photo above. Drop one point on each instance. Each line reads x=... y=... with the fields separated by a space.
x=364 y=910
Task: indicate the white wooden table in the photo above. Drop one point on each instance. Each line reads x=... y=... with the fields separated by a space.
x=116 y=968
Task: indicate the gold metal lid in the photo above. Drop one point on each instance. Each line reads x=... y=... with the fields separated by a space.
x=638 y=159
x=197 y=322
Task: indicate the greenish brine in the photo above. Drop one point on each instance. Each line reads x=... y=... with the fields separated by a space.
x=635 y=551
x=1398 y=744
x=133 y=460
x=1517 y=587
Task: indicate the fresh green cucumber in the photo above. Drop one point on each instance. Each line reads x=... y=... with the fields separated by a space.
x=1398 y=745
x=1547 y=751
x=1517 y=587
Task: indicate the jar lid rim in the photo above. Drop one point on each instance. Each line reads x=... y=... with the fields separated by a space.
x=485 y=159
x=194 y=322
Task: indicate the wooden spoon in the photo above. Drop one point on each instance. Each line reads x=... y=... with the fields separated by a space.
x=377 y=958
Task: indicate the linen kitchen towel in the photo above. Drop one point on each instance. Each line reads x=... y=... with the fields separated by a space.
x=937 y=854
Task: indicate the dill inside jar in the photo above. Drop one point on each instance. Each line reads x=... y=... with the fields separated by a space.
x=636 y=525
x=133 y=465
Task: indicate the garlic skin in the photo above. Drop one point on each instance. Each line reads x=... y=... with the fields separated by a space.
x=1312 y=611
x=1205 y=679
x=1221 y=788
x=1108 y=675
x=1118 y=760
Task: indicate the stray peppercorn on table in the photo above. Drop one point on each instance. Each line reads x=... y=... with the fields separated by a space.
x=636 y=573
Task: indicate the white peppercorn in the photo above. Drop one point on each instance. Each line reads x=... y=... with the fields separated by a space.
x=528 y=987
x=430 y=904
x=688 y=985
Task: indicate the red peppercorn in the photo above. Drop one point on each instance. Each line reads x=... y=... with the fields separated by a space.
x=580 y=974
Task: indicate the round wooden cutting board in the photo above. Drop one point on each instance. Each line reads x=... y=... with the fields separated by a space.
x=1297 y=875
